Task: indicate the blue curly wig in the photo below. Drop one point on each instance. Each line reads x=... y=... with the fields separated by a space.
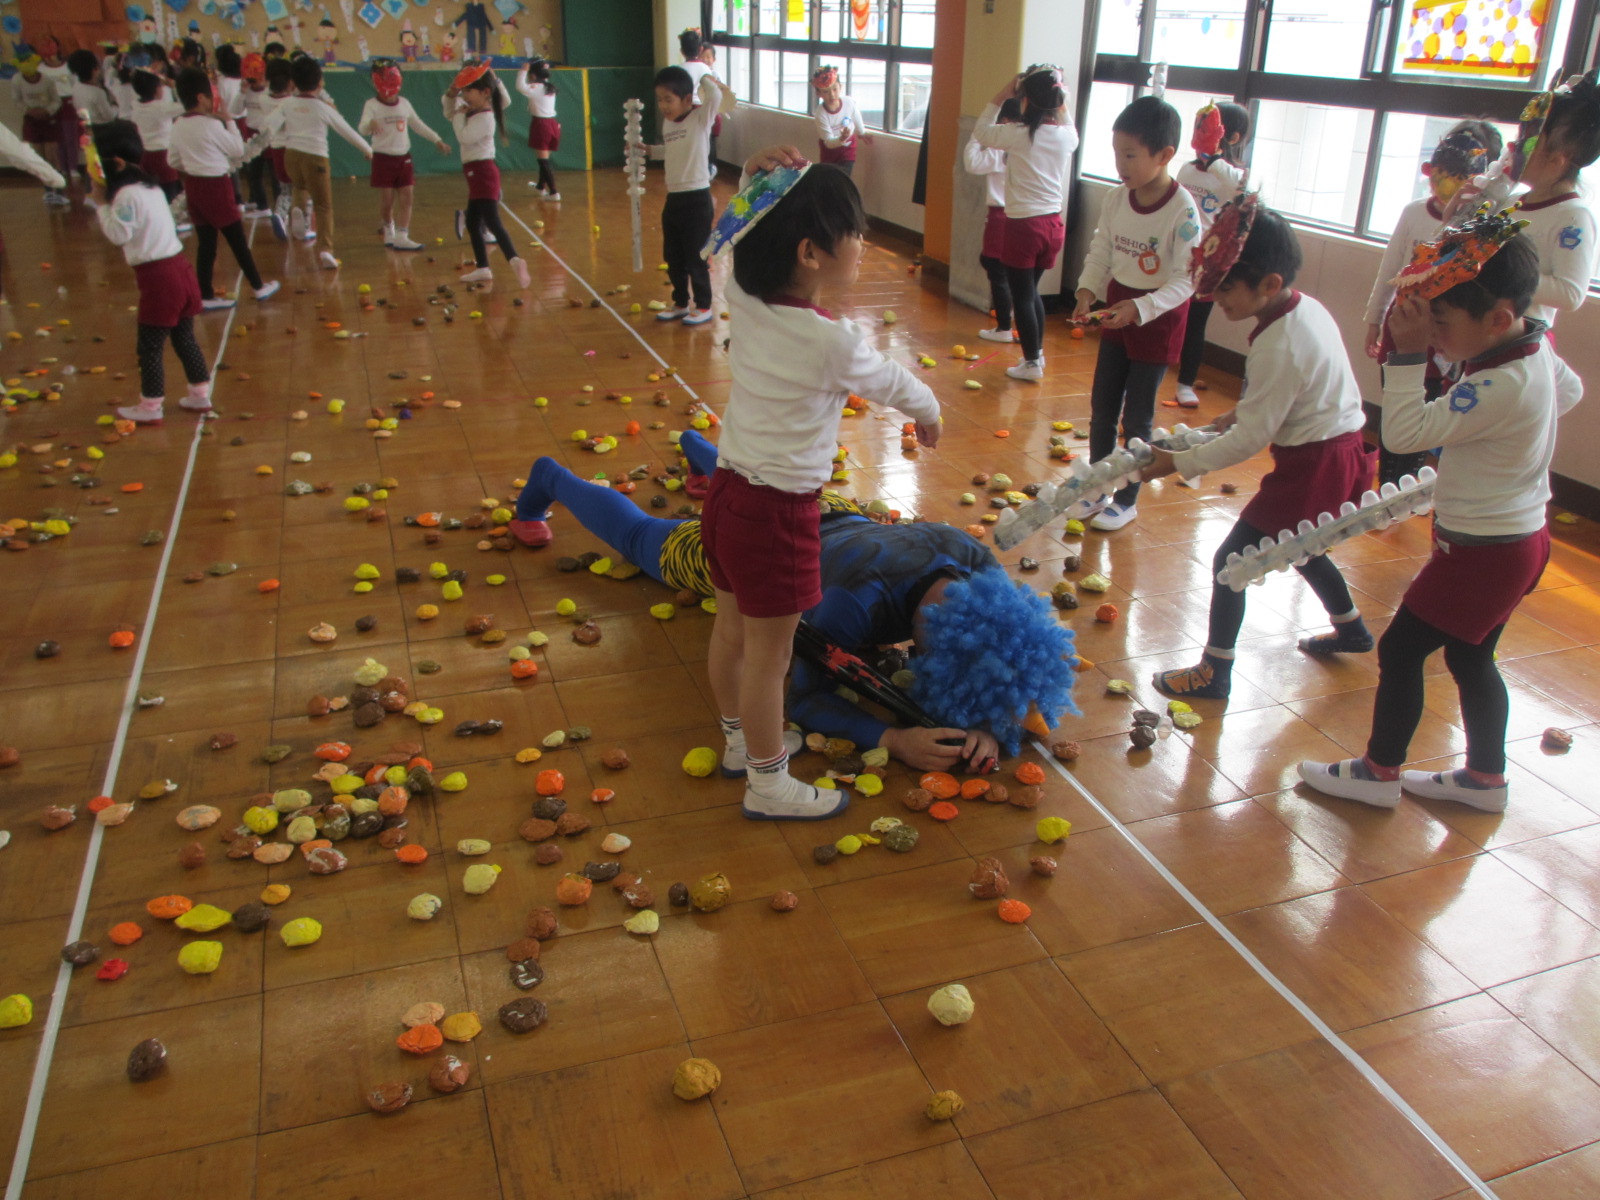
x=993 y=647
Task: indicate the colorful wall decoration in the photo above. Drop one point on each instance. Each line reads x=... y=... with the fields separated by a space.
x=1490 y=39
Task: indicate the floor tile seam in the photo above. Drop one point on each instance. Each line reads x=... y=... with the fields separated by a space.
x=45 y=1055
x=1324 y=1031
x=1511 y=865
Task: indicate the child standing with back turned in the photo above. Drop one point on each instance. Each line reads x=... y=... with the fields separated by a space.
x=793 y=369
x=1139 y=259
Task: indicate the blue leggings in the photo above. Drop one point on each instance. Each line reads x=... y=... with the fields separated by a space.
x=609 y=515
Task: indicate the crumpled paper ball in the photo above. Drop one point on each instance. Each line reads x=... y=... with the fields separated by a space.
x=646 y=921
x=424 y=907
x=989 y=880
x=200 y=958
x=711 y=892
x=902 y=838
x=15 y=1011
x=203 y=918
x=951 y=1004
x=701 y=761
x=574 y=889
x=479 y=878
x=943 y=1106
x=695 y=1077
x=461 y=1027
x=1053 y=829
x=302 y=931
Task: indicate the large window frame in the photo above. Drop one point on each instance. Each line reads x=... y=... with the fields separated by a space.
x=822 y=46
x=1380 y=88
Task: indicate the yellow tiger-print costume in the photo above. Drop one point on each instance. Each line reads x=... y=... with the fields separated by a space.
x=683 y=556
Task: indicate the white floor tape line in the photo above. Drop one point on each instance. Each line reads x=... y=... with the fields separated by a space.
x=1324 y=1030
x=589 y=287
x=130 y=704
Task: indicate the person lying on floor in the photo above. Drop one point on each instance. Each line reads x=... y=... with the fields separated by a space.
x=986 y=649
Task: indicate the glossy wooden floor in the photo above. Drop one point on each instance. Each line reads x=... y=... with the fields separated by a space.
x=1120 y=1050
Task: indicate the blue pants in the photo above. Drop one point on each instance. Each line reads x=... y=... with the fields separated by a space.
x=609 y=515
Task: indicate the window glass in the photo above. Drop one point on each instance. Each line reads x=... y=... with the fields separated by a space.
x=1106 y=100
x=768 y=78
x=916 y=22
x=1118 y=32
x=1314 y=37
x=740 y=25
x=911 y=98
x=866 y=21
x=1308 y=160
x=1205 y=34
x=1187 y=104
x=796 y=91
x=719 y=16
x=770 y=15
x=1408 y=142
x=733 y=65
x=866 y=81
x=833 y=19
x=1474 y=39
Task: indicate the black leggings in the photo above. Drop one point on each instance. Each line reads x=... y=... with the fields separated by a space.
x=1124 y=393
x=255 y=174
x=207 y=257
x=547 y=176
x=481 y=215
x=153 y=340
x=172 y=190
x=1194 y=342
x=685 y=228
x=1402 y=650
x=1227 y=605
x=999 y=291
x=1029 y=309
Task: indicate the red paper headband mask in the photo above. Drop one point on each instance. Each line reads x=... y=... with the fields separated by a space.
x=386 y=82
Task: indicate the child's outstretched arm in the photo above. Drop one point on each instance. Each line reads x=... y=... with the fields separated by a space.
x=854 y=366
x=17 y=153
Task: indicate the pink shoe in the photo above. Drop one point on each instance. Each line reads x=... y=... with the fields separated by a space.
x=531 y=533
x=697 y=487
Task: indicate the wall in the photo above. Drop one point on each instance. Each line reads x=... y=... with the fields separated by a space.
x=884 y=172
x=610 y=33
x=672 y=17
x=944 y=126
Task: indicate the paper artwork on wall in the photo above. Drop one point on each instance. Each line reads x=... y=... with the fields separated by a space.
x=371 y=14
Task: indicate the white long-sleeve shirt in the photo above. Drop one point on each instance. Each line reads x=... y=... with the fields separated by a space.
x=231 y=90
x=1497 y=425
x=793 y=368
x=204 y=147
x=1212 y=186
x=990 y=164
x=475 y=131
x=123 y=95
x=1563 y=228
x=15 y=152
x=390 y=125
x=41 y=93
x=60 y=77
x=842 y=128
x=154 y=119
x=1145 y=250
x=686 y=143
x=1298 y=388
x=1419 y=221
x=93 y=103
x=138 y=220
x=541 y=100
x=255 y=106
x=1036 y=166
x=305 y=121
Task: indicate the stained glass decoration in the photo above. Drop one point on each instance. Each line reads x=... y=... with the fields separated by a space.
x=1486 y=39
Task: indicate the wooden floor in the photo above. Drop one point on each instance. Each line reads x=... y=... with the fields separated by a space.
x=1121 y=1048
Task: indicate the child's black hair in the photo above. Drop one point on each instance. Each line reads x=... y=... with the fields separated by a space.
x=539 y=72
x=120 y=139
x=280 y=75
x=228 y=61
x=1573 y=126
x=690 y=44
x=1044 y=94
x=824 y=207
x=1011 y=110
x=486 y=83
x=677 y=81
x=1512 y=275
x=1235 y=120
x=1152 y=122
x=193 y=52
x=274 y=50
x=306 y=73
x=1465 y=145
x=82 y=64
x=193 y=86
x=146 y=84
x=1271 y=249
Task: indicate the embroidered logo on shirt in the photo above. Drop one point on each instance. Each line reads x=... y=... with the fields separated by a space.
x=1150 y=258
x=1570 y=238
x=1464 y=396
x=1188 y=231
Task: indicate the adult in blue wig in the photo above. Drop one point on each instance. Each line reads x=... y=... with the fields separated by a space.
x=986 y=651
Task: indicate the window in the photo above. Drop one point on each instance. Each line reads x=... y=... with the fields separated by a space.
x=1313 y=37
x=1106 y=100
x=883 y=48
x=1118 y=32
x=1199 y=34
x=1308 y=160
x=1408 y=142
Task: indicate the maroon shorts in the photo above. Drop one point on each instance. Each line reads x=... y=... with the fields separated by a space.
x=211 y=200
x=1309 y=480
x=763 y=545
x=994 y=232
x=1158 y=341
x=155 y=165
x=279 y=171
x=245 y=132
x=168 y=291
x=483 y=179
x=392 y=171
x=41 y=129
x=1469 y=591
x=544 y=133
x=837 y=154
x=1033 y=241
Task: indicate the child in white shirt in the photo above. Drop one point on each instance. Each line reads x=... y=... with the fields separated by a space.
x=134 y=214
x=1139 y=259
x=40 y=102
x=793 y=367
x=839 y=124
x=14 y=152
x=153 y=115
x=388 y=120
x=989 y=164
x=1561 y=221
x=688 y=212
x=89 y=95
x=253 y=99
x=476 y=109
x=544 y=131
x=1215 y=176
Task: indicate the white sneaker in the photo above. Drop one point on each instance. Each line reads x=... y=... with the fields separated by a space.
x=998 y=335
x=1114 y=517
x=794 y=801
x=388 y=235
x=672 y=314
x=478 y=275
x=1187 y=397
x=215 y=303
x=1441 y=785
x=402 y=241
x=1029 y=369
x=198 y=399
x=524 y=277
x=268 y=290
x=146 y=412
x=553 y=197
x=183 y=227
x=328 y=261
x=461 y=224
x=57 y=199
x=734 y=763
x=297 y=222
x=698 y=317
x=489 y=239
x=1339 y=780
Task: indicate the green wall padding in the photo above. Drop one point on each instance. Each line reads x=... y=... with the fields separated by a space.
x=609 y=33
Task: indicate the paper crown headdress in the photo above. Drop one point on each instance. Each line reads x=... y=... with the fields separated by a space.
x=824 y=77
x=1458 y=253
x=1462 y=153
x=1213 y=258
x=759 y=198
x=253 y=66
x=471 y=73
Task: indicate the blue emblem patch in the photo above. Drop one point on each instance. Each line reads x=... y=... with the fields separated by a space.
x=1570 y=238
x=1464 y=396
